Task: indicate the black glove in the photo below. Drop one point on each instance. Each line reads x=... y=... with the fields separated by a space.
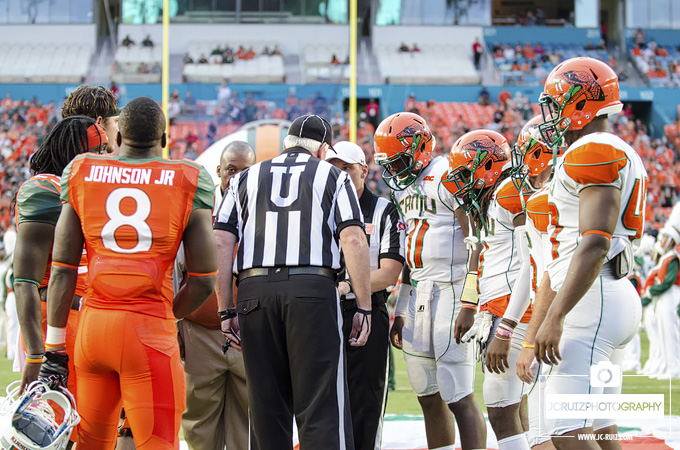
x=54 y=370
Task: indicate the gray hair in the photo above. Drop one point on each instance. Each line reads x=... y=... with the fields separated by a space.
x=310 y=145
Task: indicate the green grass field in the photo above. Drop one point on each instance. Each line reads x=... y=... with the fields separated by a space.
x=403 y=401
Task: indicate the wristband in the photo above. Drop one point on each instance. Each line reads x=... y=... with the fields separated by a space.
x=505 y=331
x=25 y=280
x=34 y=360
x=349 y=283
x=228 y=313
x=199 y=274
x=55 y=348
x=365 y=312
x=468 y=305
x=470 y=294
x=401 y=308
x=67 y=266
x=525 y=345
x=55 y=336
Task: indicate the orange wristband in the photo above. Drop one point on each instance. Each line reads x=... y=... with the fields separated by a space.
x=197 y=274
x=34 y=361
x=68 y=266
x=468 y=305
x=601 y=233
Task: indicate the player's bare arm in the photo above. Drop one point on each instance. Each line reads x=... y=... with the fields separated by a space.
x=585 y=266
x=499 y=349
x=68 y=248
x=544 y=298
x=224 y=289
x=34 y=241
x=355 y=249
x=201 y=262
x=402 y=303
x=466 y=317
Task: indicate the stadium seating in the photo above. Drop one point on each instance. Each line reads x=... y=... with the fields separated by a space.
x=44 y=63
x=317 y=62
x=129 y=59
x=260 y=69
x=434 y=64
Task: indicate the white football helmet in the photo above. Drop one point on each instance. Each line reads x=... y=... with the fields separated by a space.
x=29 y=422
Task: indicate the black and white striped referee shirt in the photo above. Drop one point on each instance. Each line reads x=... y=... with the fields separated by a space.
x=289 y=211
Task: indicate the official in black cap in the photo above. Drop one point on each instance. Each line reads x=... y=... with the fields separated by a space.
x=289 y=216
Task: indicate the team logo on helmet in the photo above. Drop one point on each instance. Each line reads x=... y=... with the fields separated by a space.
x=417 y=131
x=485 y=148
x=583 y=79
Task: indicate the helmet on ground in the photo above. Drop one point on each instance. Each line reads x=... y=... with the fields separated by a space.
x=403 y=147
x=29 y=421
x=575 y=92
x=476 y=161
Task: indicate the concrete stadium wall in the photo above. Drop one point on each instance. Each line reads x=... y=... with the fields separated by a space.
x=391 y=97
x=662 y=37
x=292 y=38
x=431 y=35
x=544 y=35
x=53 y=34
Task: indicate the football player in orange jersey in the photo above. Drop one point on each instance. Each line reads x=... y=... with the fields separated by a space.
x=37 y=210
x=597 y=215
x=131 y=212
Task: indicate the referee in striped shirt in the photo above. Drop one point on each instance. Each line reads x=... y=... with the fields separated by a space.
x=289 y=216
x=367 y=367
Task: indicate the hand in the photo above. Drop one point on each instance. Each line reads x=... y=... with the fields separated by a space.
x=395 y=331
x=477 y=327
x=343 y=288
x=361 y=328
x=525 y=361
x=232 y=333
x=547 y=342
x=464 y=321
x=54 y=370
x=29 y=375
x=497 y=355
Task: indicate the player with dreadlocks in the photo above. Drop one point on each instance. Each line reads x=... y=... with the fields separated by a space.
x=37 y=210
x=479 y=177
x=98 y=103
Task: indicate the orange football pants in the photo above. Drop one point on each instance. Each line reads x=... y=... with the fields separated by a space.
x=132 y=360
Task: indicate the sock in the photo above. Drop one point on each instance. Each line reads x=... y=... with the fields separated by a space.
x=517 y=442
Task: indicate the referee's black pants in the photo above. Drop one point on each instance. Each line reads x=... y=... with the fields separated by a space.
x=367 y=371
x=291 y=333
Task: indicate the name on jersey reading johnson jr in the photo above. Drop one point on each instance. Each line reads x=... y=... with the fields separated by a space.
x=128 y=175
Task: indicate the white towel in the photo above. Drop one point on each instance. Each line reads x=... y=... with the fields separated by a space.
x=422 y=327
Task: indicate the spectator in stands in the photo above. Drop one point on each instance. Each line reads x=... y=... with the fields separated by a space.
x=156 y=68
x=114 y=90
x=250 y=54
x=640 y=37
x=590 y=46
x=411 y=105
x=228 y=57
x=373 y=112
x=504 y=96
x=530 y=20
x=484 y=97
x=477 y=51
x=403 y=48
x=235 y=108
x=334 y=60
x=528 y=51
x=143 y=68
x=250 y=108
x=127 y=42
x=508 y=52
x=241 y=52
x=189 y=104
x=223 y=93
x=276 y=51
x=203 y=59
x=636 y=51
x=265 y=51
x=539 y=73
x=554 y=58
x=415 y=48
x=217 y=51
x=188 y=59
x=147 y=42
x=540 y=17
x=539 y=50
x=173 y=109
x=497 y=50
x=320 y=105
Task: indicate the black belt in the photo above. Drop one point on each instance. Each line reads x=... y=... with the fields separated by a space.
x=283 y=272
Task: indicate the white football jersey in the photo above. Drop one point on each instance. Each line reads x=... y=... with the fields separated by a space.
x=537 y=220
x=597 y=159
x=499 y=260
x=435 y=249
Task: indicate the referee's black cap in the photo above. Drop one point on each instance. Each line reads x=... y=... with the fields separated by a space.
x=313 y=127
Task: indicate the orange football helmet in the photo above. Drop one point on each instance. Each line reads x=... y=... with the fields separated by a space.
x=530 y=156
x=575 y=92
x=476 y=161
x=403 y=146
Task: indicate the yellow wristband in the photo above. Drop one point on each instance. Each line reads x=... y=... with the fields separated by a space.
x=525 y=345
x=34 y=360
x=470 y=294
